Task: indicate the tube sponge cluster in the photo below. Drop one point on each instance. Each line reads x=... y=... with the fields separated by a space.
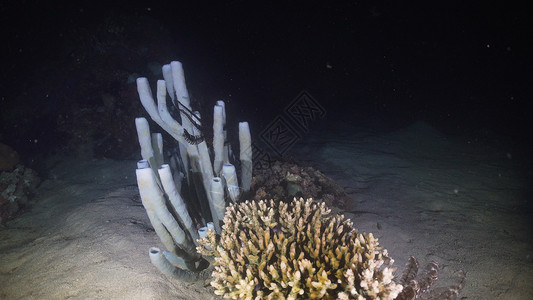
x=296 y=250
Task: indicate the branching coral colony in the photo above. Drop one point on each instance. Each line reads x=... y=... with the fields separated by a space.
x=251 y=249
x=271 y=250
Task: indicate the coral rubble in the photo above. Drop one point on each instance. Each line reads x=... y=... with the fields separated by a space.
x=16 y=190
x=288 y=179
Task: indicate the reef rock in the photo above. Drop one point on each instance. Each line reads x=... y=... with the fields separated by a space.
x=9 y=158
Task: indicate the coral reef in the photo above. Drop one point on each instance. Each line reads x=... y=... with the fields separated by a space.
x=16 y=189
x=275 y=249
x=296 y=250
x=85 y=108
x=9 y=158
x=288 y=179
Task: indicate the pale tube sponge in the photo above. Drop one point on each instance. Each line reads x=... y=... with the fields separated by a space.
x=159 y=260
x=245 y=142
x=206 y=167
x=205 y=159
x=159 y=228
x=226 y=145
x=166 y=117
x=153 y=200
x=203 y=233
x=142 y=164
x=162 y=109
x=221 y=103
x=230 y=175
x=167 y=76
x=177 y=202
x=218 y=138
x=147 y=100
x=143 y=134
x=182 y=101
x=169 y=83
x=157 y=145
x=145 y=140
x=168 y=212
x=178 y=78
x=176 y=260
x=219 y=205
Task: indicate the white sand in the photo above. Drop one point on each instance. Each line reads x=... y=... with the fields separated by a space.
x=463 y=205
x=87 y=238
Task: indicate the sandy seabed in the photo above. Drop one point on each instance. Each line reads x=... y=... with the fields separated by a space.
x=465 y=205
